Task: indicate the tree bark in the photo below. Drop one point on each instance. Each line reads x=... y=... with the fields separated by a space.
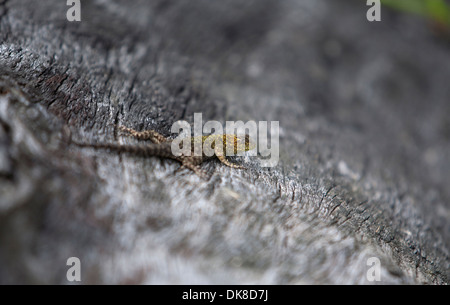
x=364 y=143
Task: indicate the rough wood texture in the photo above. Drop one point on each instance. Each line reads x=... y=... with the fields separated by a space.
x=365 y=153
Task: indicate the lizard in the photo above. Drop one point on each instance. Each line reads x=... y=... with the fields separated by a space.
x=161 y=146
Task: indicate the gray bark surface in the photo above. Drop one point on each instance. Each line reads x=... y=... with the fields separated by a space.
x=364 y=143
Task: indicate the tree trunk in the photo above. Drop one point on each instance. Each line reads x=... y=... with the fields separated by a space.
x=364 y=143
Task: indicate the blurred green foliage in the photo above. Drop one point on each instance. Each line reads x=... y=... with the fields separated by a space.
x=437 y=10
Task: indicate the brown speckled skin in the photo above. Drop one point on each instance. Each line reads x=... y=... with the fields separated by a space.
x=162 y=147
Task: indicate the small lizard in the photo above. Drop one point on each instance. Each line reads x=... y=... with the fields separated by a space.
x=162 y=147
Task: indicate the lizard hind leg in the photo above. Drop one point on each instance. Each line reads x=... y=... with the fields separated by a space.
x=151 y=135
x=228 y=163
x=219 y=154
x=193 y=165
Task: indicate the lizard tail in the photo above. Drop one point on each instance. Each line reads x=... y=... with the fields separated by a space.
x=145 y=150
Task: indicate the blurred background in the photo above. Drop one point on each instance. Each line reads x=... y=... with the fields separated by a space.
x=364 y=143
